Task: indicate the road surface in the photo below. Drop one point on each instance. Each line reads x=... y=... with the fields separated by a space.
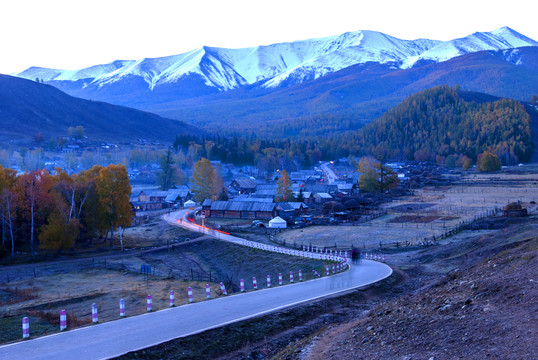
x=330 y=176
x=118 y=337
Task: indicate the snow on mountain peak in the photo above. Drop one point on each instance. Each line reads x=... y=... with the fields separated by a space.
x=500 y=39
x=283 y=63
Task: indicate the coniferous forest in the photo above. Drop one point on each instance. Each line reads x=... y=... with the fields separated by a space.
x=433 y=125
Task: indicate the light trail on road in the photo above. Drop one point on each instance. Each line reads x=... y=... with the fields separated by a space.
x=114 y=338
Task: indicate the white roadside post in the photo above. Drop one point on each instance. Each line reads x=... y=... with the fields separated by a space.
x=95 y=317
x=63 y=320
x=25 y=328
x=122 y=307
x=223 y=289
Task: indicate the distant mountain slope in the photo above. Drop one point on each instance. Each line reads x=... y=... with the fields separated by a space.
x=208 y=70
x=439 y=122
x=27 y=107
x=356 y=95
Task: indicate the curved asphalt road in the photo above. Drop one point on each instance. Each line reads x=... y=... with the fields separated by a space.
x=118 y=337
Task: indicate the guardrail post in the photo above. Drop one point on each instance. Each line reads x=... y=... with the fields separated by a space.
x=189 y=293
x=95 y=317
x=25 y=328
x=63 y=320
x=223 y=288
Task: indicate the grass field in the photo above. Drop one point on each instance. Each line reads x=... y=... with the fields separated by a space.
x=431 y=212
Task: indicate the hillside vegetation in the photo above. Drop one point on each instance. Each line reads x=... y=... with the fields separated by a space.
x=28 y=107
x=434 y=125
x=438 y=122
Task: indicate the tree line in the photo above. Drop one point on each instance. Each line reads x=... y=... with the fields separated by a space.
x=436 y=123
x=39 y=210
x=432 y=125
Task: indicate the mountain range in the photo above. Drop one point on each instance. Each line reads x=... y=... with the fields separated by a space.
x=305 y=88
x=210 y=70
x=349 y=98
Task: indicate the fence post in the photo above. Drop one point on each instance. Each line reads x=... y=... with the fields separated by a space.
x=95 y=318
x=122 y=307
x=25 y=328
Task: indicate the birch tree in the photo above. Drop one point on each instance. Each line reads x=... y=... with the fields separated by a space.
x=114 y=189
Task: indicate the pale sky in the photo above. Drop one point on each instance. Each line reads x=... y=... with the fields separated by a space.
x=74 y=34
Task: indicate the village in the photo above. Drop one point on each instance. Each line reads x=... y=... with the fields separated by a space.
x=326 y=194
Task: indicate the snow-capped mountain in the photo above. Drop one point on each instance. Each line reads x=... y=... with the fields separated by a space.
x=500 y=39
x=211 y=69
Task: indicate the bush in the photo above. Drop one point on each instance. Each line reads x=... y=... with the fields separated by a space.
x=488 y=162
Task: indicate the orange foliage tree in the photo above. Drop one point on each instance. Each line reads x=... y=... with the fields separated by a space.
x=113 y=190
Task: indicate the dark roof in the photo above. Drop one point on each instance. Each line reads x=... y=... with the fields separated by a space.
x=242 y=206
x=245 y=183
x=322 y=188
x=157 y=193
x=265 y=187
x=290 y=206
x=232 y=190
x=173 y=194
x=323 y=195
x=207 y=202
x=251 y=198
x=264 y=193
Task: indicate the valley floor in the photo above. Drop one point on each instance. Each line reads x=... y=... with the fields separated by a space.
x=474 y=296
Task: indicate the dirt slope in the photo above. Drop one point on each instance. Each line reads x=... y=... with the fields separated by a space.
x=486 y=309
